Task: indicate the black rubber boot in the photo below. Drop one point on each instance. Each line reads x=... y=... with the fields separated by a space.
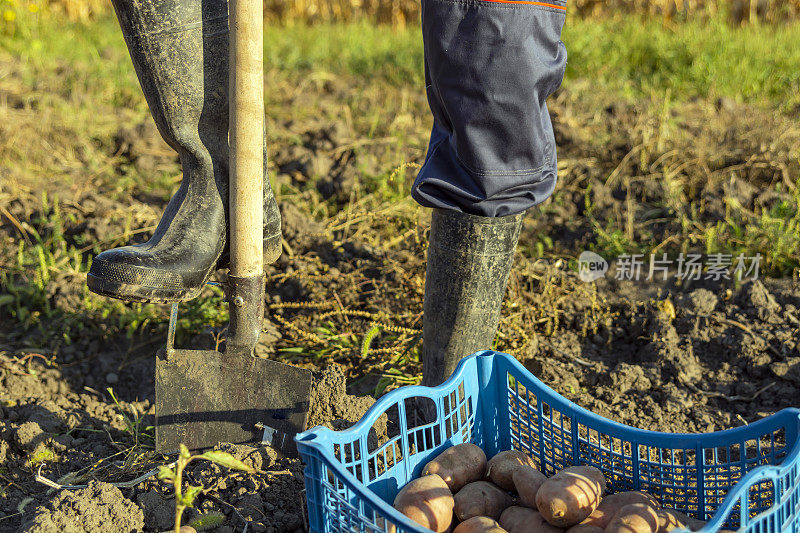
x=179 y=49
x=469 y=259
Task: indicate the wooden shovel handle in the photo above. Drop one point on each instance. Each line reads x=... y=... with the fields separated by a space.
x=246 y=195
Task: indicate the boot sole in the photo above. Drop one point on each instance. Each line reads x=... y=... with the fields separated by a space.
x=141 y=293
x=131 y=292
x=140 y=284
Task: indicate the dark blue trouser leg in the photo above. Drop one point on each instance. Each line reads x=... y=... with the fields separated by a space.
x=489 y=67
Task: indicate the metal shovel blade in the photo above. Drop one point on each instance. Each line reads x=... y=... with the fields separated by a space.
x=204 y=398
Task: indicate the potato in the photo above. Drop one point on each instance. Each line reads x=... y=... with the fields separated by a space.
x=614 y=502
x=428 y=502
x=525 y=520
x=527 y=481
x=458 y=465
x=481 y=498
x=585 y=528
x=669 y=519
x=479 y=524
x=502 y=466
x=570 y=496
x=634 y=518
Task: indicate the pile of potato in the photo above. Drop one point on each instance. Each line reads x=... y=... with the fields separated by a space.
x=460 y=492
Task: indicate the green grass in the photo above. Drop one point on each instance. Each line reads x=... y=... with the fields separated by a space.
x=92 y=60
x=629 y=55
x=632 y=56
x=359 y=49
x=752 y=64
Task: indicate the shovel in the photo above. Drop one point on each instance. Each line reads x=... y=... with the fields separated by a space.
x=205 y=397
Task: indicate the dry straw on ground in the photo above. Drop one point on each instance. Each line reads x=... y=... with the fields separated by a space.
x=403 y=12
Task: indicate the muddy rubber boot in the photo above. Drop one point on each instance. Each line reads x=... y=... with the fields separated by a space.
x=469 y=260
x=179 y=49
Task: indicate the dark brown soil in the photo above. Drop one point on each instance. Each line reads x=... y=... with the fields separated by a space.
x=94 y=508
x=73 y=432
x=726 y=357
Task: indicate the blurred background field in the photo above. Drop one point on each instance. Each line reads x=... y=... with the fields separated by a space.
x=403 y=12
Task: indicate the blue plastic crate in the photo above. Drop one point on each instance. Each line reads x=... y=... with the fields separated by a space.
x=493 y=401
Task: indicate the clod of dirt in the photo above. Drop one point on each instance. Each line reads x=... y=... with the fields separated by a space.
x=340 y=182
x=270 y=335
x=756 y=296
x=788 y=369
x=332 y=407
x=629 y=377
x=29 y=435
x=668 y=352
x=702 y=301
x=159 y=512
x=99 y=508
x=44 y=414
x=30 y=385
x=255 y=458
x=251 y=506
x=297 y=227
x=3 y=451
x=330 y=402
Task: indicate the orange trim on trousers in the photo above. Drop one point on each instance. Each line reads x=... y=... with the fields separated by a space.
x=529 y=2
